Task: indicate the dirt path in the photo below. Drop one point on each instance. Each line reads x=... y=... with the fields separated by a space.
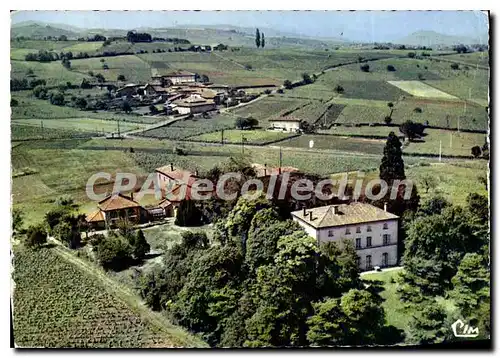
x=179 y=337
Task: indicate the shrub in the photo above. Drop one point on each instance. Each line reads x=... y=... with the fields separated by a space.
x=140 y=247
x=417 y=110
x=113 y=253
x=267 y=91
x=455 y=66
x=391 y=68
x=411 y=54
x=476 y=151
x=339 y=89
x=365 y=68
x=288 y=84
x=13 y=102
x=120 y=78
x=387 y=119
x=36 y=236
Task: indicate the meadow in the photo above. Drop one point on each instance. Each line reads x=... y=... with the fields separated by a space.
x=79 y=124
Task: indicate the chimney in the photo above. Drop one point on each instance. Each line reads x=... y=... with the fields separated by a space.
x=335 y=209
x=196 y=173
x=132 y=195
x=385 y=206
x=310 y=216
x=265 y=170
x=305 y=213
x=171 y=167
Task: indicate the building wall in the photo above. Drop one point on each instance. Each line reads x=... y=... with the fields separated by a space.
x=289 y=126
x=377 y=248
x=184 y=79
x=196 y=109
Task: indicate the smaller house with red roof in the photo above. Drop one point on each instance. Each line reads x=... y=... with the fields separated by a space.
x=114 y=208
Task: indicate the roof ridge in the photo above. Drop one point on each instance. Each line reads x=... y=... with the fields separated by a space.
x=326 y=213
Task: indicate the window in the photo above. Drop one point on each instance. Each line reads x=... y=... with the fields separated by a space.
x=368 y=262
x=369 y=228
x=385 y=259
x=386 y=226
x=347 y=230
x=358 y=229
x=330 y=233
x=358 y=243
x=387 y=239
x=358 y=261
x=369 y=241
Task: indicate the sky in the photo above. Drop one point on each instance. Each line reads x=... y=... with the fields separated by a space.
x=369 y=26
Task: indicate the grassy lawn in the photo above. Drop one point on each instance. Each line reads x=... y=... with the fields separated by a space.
x=236 y=136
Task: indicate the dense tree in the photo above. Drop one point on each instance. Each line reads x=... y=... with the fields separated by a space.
x=429 y=182
x=434 y=205
x=427 y=325
x=81 y=103
x=100 y=78
x=339 y=89
x=354 y=319
x=114 y=253
x=392 y=166
x=391 y=68
x=365 y=68
x=121 y=78
x=188 y=214
x=476 y=151
x=412 y=130
x=287 y=84
x=140 y=247
x=257 y=38
x=306 y=79
x=13 y=102
x=67 y=232
x=479 y=207
x=434 y=247
x=262 y=40
x=36 y=236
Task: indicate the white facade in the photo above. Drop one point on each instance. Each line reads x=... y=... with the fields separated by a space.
x=376 y=242
x=289 y=126
x=181 y=79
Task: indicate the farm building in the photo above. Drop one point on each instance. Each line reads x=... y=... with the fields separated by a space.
x=287 y=124
x=180 y=77
x=114 y=208
x=194 y=105
x=264 y=171
x=373 y=231
x=128 y=90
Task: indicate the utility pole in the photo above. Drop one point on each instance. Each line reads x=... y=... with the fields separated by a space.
x=118 y=122
x=222 y=137
x=281 y=160
x=439 y=151
x=41 y=126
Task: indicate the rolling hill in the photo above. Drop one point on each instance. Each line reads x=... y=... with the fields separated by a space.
x=432 y=38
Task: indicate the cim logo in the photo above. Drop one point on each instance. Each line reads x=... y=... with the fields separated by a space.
x=460 y=329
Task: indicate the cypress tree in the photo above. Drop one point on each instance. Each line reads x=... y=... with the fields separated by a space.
x=257 y=38
x=392 y=166
x=262 y=40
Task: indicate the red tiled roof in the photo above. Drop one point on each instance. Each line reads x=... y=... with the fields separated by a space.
x=262 y=171
x=95 y=216
x=176 y=174
x=117 y=202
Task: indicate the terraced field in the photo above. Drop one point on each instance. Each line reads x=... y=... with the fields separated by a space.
x=80 y=124
x=239 y=136
x=57 y=304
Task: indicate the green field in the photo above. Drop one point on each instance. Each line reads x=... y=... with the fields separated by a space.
x=132 y=67
x=369 y=146
x=59 y=304
x=54 y=73
x=79 y=124
x=472 y=59
x=420 y=89
x=239 y=136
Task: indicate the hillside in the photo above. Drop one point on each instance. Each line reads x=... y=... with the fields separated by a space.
x=197 y=34
x=431 y=38
x=39 y=31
